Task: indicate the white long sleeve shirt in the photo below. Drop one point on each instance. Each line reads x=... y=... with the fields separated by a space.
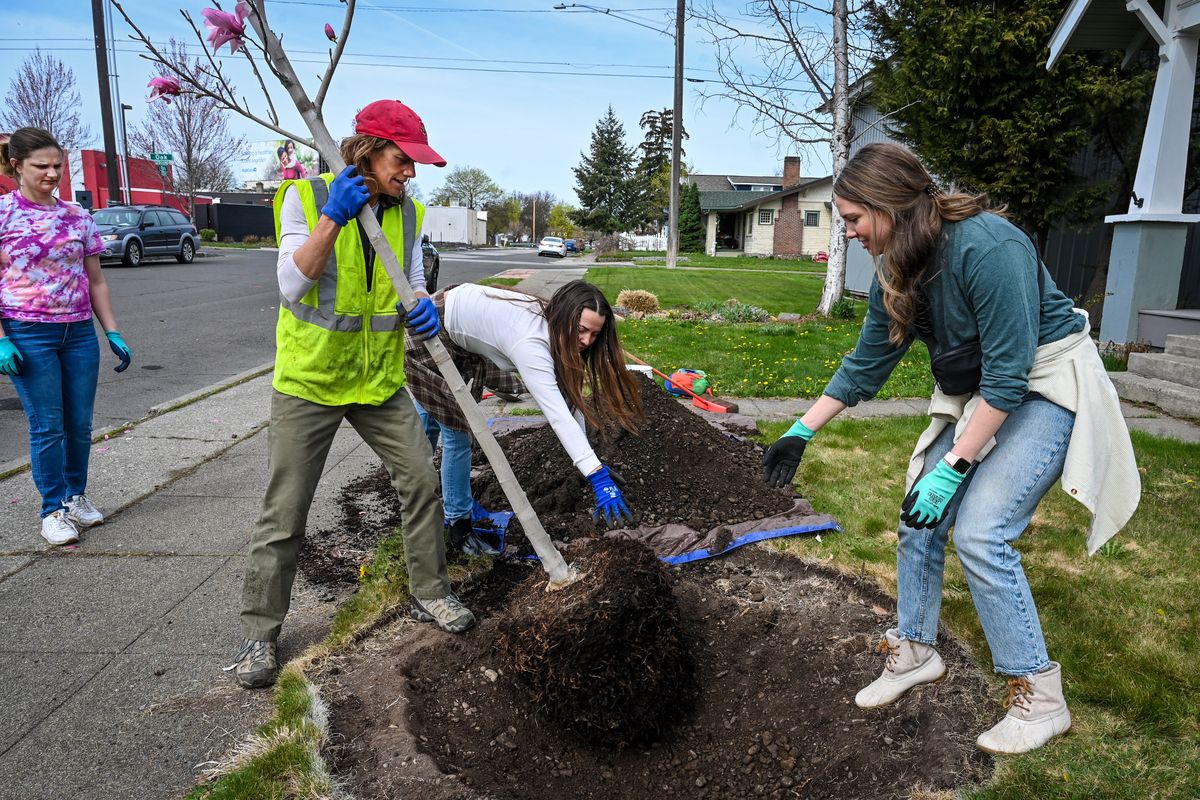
x=293 y=232
x=498 y=325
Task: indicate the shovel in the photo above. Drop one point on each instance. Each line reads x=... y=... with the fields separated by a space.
x=560 y=574
x=705 y=403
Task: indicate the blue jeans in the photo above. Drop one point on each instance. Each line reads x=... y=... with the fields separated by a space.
x=57 y=388
x=456 y=465
x=989 y=513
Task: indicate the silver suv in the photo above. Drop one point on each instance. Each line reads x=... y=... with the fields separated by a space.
x=132 y=233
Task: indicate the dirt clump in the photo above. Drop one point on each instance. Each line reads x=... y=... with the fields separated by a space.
x=678 y=468
x=779 y=646
x=606 y=657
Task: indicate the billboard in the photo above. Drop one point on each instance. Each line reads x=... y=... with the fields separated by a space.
x=273 y=161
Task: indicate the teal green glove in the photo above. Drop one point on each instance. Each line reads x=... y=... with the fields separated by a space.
x=925 y=505
x=122 y=351
x=10 y=357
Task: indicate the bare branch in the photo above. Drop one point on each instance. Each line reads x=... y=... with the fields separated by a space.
x=337 y=54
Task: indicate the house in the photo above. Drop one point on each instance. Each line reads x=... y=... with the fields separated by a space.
x=786 y=216
x=456 y=225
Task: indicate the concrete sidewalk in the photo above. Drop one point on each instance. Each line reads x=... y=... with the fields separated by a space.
x=111 y=650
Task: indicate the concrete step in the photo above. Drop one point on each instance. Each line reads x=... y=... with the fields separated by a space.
x=1167 y=367
x=1179 y=344
x=1173 y=398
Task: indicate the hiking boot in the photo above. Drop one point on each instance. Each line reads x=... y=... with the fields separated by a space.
x=82 y=512
x=1037 y=713
x=448 y=613
x=908 y=664
x=254 y=666
x=57 y=528
x=456 y=536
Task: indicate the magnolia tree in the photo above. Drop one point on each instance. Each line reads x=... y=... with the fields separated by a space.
x=246 y=30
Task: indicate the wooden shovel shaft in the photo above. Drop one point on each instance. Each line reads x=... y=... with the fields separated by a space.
x=551 y=559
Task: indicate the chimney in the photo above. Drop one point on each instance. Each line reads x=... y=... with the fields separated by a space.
x=791 y=171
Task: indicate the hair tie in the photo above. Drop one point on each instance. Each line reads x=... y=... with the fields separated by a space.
x=933 y=191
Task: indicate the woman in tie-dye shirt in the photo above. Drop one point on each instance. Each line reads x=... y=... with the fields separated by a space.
x=50 y=285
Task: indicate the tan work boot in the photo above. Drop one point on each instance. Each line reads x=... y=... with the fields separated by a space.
x=1037 y=713
x=908 y=664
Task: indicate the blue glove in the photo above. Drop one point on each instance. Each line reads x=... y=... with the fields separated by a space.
x=347 y=195
x=925 y=505
x=121 y=349
x=10 y=357
x=609 y=501
x=422 y=320
x=782 y=458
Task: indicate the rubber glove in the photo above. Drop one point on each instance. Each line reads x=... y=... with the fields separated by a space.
x=422 y=320
x=347 y=195
x=609 y=502
x=121 y=349
x=925 y=505
x=10 y=357
x=782 y=458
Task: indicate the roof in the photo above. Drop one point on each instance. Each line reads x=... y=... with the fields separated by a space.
x=733 y=201
x=1100 y=25
x=725 y=183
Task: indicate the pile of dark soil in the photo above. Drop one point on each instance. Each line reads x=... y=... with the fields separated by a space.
x=780 y=648
x=679 y=468
x=617 y=627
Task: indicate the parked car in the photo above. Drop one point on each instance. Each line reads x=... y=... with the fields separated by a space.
x=433 y=263
x=572 y=245
x=132 y=233
x=552 y=246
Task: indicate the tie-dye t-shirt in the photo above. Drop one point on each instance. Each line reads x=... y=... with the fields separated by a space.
x=42 y=276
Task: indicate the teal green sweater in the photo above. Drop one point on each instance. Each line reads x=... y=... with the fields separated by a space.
x=983 y=286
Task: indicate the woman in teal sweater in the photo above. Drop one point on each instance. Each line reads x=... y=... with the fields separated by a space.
x=957 y=275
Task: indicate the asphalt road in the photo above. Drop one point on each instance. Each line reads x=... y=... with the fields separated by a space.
x=193 y=325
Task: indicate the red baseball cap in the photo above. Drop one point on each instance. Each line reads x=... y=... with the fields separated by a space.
x=399 y=124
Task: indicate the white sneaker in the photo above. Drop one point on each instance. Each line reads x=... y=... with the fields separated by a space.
x=82 y=512
x=908 y=664
x=1037 y=713
x=57 y=528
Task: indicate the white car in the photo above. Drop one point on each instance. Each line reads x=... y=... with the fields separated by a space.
x=552 y=246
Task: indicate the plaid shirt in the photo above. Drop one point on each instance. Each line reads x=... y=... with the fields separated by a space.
x=432 y=391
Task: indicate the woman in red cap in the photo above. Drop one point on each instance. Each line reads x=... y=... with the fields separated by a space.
x=339 y=356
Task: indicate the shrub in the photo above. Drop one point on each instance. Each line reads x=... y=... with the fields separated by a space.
x=208 y=235
x=251 y=238
x=638 y=300
x=842 y=309
x=734 y=311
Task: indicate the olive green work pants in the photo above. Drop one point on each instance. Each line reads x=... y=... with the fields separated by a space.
x=299 y=438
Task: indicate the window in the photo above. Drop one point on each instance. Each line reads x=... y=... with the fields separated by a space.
x=812 y=219
x=766 y=216
x=178 y=219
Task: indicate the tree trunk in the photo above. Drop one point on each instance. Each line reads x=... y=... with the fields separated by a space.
x=839 y=148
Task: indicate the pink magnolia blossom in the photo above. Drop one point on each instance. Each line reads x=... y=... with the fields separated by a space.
x=225 y=27
x=163 y=87
x=329 y=34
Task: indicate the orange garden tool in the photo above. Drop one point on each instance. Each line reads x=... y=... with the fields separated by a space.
x=708 y=403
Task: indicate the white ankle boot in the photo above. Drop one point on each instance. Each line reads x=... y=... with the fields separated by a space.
x=1037 y=713
x=909 y=664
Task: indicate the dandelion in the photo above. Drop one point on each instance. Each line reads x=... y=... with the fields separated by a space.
x=163 y=88
x=225 y=27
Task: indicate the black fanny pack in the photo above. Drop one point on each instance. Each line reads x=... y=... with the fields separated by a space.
x=959 y=370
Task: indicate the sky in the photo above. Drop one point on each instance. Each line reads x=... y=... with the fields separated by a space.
x=512 y=87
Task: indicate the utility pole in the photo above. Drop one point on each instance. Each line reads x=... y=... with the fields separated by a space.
x=111 y=164
x=676 y=139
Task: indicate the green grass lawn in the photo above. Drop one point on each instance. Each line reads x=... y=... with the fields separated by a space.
x=652 y=257
x=774 y=292
x=1122 y=623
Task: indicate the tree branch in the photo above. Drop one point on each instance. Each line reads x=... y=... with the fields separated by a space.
x=337 y=54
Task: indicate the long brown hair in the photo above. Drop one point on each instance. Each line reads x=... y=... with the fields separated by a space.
x=22 y=144
x=615 y=398
x=357 y=150
x=890 y=183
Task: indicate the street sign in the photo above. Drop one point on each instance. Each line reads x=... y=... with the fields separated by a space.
x=161 y=157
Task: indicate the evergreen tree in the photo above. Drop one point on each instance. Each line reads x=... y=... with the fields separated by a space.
x=652 y=177
x=602 y=180
x=691 y=229
x=982 y=110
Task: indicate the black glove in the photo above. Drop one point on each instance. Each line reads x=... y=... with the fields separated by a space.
x=781 y=460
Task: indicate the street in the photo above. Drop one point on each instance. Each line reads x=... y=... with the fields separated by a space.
x=193 y=325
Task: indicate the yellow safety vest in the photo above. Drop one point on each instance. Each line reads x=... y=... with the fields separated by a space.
x=342 y=343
